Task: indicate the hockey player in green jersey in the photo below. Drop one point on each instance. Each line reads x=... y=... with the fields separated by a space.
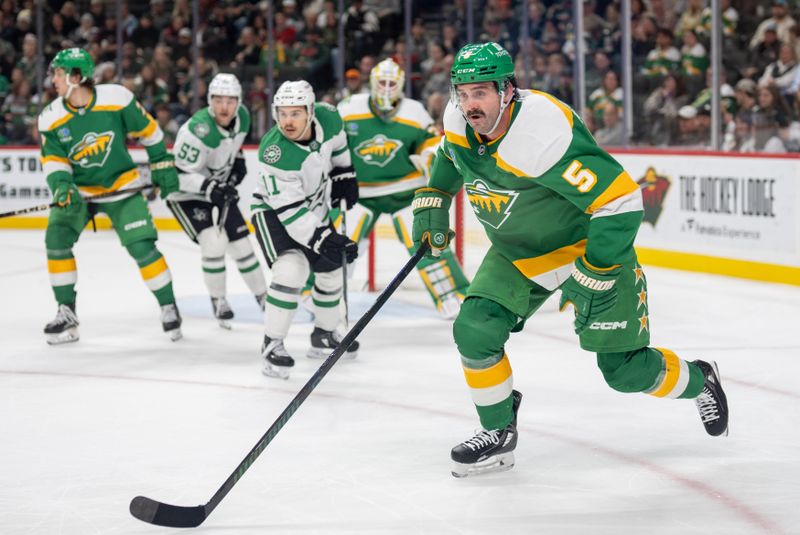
x=298 y=159
x=560 y=213
x=393 y=140
x=208 y=155
x=83 y=153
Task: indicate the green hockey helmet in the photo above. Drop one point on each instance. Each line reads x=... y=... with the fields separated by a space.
x=72 y=59
x=484 y=62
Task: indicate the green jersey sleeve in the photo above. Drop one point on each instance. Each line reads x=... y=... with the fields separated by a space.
x=141 y=126
x=444 y=175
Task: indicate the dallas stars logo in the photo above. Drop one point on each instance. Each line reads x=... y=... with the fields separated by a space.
x=379 y=150
x=654 y=189
x=92 y=150
x=491 y=206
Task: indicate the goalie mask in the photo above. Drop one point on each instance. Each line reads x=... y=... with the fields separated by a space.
x=386 y=85
x=299 y=93
x=224 y=85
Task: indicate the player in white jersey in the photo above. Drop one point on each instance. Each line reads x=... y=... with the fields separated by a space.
x=299 y=159
x=208 y=155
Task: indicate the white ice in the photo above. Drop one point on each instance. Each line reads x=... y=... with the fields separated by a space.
x=124 y=411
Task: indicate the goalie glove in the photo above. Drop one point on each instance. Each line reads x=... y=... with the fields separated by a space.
x=164 y=175
x=344 y=186
x=591 y=291
x=431 y=220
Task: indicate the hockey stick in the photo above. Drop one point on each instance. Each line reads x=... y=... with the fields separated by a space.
x=42 y=207
x=343 y=208
x=223 y=215
x=177 y=516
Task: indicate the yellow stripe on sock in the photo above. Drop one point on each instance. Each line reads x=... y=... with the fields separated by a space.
x=672 y=373
x=488 y=377
x=153 y=270
x=61 y=266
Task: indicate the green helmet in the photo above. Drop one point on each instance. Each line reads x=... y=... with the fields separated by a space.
x=71 y=59
x=484 y=62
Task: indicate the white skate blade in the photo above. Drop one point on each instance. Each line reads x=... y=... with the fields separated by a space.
x=175 y=334
x=324 y=352
x=225 y=324
x=495 y=463
x=65 y=337
x=279 y=372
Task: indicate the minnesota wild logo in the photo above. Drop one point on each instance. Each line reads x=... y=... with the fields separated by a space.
x=654 y=189
x=491 y=206
x=379 y=150
x=92 y=150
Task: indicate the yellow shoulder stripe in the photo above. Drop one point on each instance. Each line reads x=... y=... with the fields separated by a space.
x=54 y=159
x=563 y=107
x=407 y=122
x=107 y=107
x=427 y=144
x=622 y=185
x=59 y=122
x=456 y=139
x=357 y=116
x=148 y=130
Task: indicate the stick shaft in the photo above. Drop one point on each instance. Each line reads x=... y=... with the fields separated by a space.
x=43 y=207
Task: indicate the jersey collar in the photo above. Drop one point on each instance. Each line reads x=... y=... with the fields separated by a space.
x=81 y=111
x=476 y=141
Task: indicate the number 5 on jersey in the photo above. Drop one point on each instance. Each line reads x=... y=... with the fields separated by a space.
x=579 y=176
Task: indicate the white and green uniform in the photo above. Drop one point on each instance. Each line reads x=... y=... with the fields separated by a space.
x=291 y=207
x=206 y=152
x=392 y=156
x=86 y=147
x=546 y=194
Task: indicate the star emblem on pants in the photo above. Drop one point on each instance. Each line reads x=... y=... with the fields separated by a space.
x=639 y=272
x=643 y=323
x=642 y=298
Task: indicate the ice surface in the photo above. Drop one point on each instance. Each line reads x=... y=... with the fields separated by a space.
x=124 y=411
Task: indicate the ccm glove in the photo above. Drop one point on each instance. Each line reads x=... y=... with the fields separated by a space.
x=431 y=220
x=67 y=196
x=164 y=175
x=238 y=171
x=344 y=186
x=330 y=246
x=220 y=193
x=591 y=291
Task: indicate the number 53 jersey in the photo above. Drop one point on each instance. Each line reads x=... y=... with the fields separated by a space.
x=544 y=191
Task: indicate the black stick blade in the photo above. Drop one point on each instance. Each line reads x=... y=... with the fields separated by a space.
x=164 y=514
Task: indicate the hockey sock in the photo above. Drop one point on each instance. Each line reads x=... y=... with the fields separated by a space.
x=63 y=272
x=325 y=295
x=658 y=372
x=490 y=384
x=280 y=309
x=248 y=265
x=154 y=270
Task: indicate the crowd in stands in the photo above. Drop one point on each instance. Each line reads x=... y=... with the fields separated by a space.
x=671 y=42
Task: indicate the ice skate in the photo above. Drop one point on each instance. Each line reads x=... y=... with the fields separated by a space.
x=324 y=342
x=712 y=403
x=488 y=451
x=171 y=321
x=277 y=361
x=222 y=311
x=64 y=328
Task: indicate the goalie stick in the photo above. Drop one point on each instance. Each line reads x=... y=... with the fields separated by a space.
x=43 y=207
x=177 y=516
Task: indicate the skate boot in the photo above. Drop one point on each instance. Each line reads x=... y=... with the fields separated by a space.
x=261 y=299
x=324 y=342
x=222 y=311
x=63 y=329
x=488 y=451
x=171 y=321
x=277 y=361
x=712 y=403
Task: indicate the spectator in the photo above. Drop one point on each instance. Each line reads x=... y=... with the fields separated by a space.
x=745 y=94
x=24 y=26
x=726 y=93
x=450 y=40
x=314 y=58
x=146 y=34
x=217 y=36
x=289 y=11
x=57 y=35
x=283 y=32
x=70 y=16
x=661 y=110
x=18 y=114
x=29 y=61
x=249 y=49
x=419 y=39
x=353 y=84
x=169 y=35
x=160 y=16
x=257 y=99
x=131 y=61
x=694 y=58
x=609 y=92
x=780 y=22
x=438 y=79
x=167 y=124
x=97 y=9
x=770 y=109
x=150 y=90
x=664 y=12
x=691 y=18
x=182 y=47
x=730 y=21
x=781 y=73
x=688 y=134
x=739 y=134
x=601 y=64
x=328 y=23
x=494 y=31
x=86 y=32
x=362 y=27
x=556 y=80
x=435 y=54
x=765 y=52
x=107 y=39
x=664 y=59
x=611 y=134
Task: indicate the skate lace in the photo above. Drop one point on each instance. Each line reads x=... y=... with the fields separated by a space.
x=221 y=306
x=169 y=313
x=707 y=406
x=483 y=439
x=276 y=348
x=65 y=315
